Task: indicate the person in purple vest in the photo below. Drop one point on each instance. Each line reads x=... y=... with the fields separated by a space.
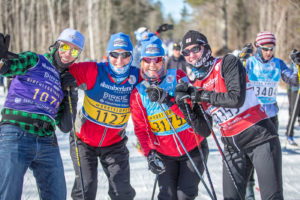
x=37 y=101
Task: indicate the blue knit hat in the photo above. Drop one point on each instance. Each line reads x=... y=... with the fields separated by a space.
x=119 y=41
x=153 y=47
x=72 y=36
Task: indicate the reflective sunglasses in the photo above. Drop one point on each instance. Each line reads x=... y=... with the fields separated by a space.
x=153 y=59
x=267 y=48
x=187 y=52
x=74 y=52
x=124 y=54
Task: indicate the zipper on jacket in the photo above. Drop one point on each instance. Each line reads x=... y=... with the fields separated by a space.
x=103 y=136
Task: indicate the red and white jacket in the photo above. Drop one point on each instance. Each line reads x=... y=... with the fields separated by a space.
x=231 y=121
x=98 y=81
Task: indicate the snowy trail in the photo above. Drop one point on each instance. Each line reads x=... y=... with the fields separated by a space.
x=142 y=180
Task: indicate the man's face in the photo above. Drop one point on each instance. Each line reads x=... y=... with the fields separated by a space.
x=176 y=53
x=68 y=52
x=119 y=58
x=267 y=51
x=192 y=53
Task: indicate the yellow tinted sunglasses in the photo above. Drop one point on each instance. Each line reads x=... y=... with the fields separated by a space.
x=74 y=52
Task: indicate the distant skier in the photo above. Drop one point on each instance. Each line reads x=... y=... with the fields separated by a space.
x=143 y=34
x=265 y=71
x=293 y=93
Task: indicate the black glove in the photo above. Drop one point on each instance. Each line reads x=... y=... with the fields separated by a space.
x=164 y=27
x=155 y=163
x=246 y=52
x=156 y=94
x=181 y=94
x=185 y=90
x=4 y=44
x=67 y=80
x=295 y=56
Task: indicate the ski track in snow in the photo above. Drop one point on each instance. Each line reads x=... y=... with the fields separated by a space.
x=142 y=179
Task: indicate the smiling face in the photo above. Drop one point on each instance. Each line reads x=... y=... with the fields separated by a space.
x=152 y=66
x=193 y=53
x=119 y=58
x=68 y=52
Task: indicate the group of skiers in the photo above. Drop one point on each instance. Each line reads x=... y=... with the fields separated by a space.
x=171 y=112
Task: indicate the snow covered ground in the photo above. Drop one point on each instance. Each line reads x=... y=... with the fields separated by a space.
x=142 y=180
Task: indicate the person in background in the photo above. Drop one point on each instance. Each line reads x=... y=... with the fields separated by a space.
x=265 y=71
x=177 y=60
x=37 y=101
x=177 y=179
x=222 y=88
x=292 y=97
x=143 y=34
x=101 y=123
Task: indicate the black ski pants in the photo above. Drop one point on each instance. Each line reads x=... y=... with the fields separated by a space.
x=249 y=165
x=267 y=161
x=292 y=96
x=115 y=162
x=180 y=180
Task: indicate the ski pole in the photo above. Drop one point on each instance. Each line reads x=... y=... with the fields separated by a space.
x=75 y=140
x=295 y=109
x=200 y=150
x=154 y=187
x=222 y=153
x=187 y=153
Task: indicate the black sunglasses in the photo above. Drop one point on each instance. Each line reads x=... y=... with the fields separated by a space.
x=124 y=54
x=195 y=49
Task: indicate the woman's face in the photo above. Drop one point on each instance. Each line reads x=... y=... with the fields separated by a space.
x=192 y=53
x=68 y=52
x=152 y=65
x=119 y=58
x=267 y=51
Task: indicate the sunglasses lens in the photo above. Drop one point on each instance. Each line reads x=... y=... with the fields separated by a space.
x=114 y=54
x=155 y=59
x=186 y=52
x=75 y=53
x=64 y=47
x=196 y=49
x=123 y=54
x=147 y=60
x=267 y=48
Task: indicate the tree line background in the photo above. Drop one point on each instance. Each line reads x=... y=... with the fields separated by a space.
x=228 y=24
